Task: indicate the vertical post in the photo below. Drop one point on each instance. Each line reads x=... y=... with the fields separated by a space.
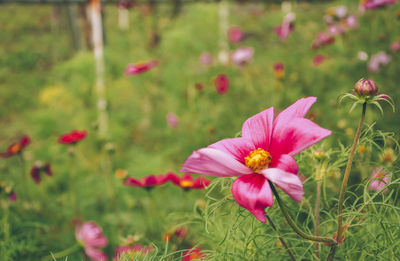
x=97 y=38
x=223 y=13
x=72 y=12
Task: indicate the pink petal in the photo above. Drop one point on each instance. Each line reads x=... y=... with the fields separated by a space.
x=259 y=128
x=296 y=135
x=288 y=182
x=213 y=162
x=253 y=193
x=239 y=148
x=286 y=163
x=95 y=254
x=298 y=109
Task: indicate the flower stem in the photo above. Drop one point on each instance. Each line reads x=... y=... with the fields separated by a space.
x=344 y=182
x=318 y=206
x=63 y=253
x=294 y=226
x=284 y=244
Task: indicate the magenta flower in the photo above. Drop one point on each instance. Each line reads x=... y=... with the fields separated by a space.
x=38 y=168
x=263 y=153
x=395 y=46
x=140 y=67
x=91 y=237
x=318 y=59
x=323 y=39
x=206 y=59
x=378 y=60
x=235 y=34
x=373 y=4
x=221 y=83
x=242 y=55
x=13 y=197
x=379 y=178
x=286 y=27
x=172 y=120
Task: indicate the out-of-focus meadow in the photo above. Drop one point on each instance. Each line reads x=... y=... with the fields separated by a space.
x=158 y=117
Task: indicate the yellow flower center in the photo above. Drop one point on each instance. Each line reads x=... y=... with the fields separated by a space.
x=258 y=159
x=15 y=148
x=379 y=175
x=186 y=183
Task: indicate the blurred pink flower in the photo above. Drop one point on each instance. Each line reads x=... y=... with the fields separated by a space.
x=17 y=147
x=13 y=197
x=318 y=59
x=193 y=254
x=187 y=182
x=377 y=60
x=148 y=182
x=199 y=86
x=263 y=154
x=395 y=46
x=221 y=83
x=242 y=55
x=323 y=39
x=286 y=27
x=38 y=168
x=336 y=29
x=73 y=137
x=140 y=67
x=373 y=4
x=379 y=178
x=279 y=70
x=91 y=237
x=341 y=11
x=206 y=58
x=351 y=22
x=172 y=120
x=235 y=34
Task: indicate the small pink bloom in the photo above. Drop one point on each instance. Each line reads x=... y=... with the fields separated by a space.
x=172 y=120
x=336 y=29
x=206 y=59
x=279 y=70
x=378 y=60
x=13 y=197
x=91 y=237
x=181 y=232
x=323 y=39
x=187 y=182
x=242 y=55
x=38 y=168
x=140 y=67
x=221 y=83
x=199 y=86
x=286 y=27
x=341 y=11
x=235 y=34
x=73 y=137
x=351 y=22
x=379 y=178
x=318 y=59
x=395 y=46
x=263 y=154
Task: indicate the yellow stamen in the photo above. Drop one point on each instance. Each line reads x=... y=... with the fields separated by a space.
x=186 y=183
x=15 y=148
x=380 y=175
x=258 y=159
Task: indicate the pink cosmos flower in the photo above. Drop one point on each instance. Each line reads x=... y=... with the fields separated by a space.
x=336 y=29
x=379 y=178
x=323 y=39
x=38 y=168
x=148 y=182
x=235 y=34
x=73 y=137
x=351 y=22
x=16 y=148
x=13 y=197
x=286 y=27
x=206 y=58
x=373 y=4
x=242 y=55
x=172 y=120
x=140 y=67
x=378 y=60
x=91 y=237
x=187 y=182
x=264 y=153
x=395 y=46
x=193 y=254
x=318 y=59
x=221 y=83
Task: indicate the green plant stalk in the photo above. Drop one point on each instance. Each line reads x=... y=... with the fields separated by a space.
x=72 y=172
x=344 y=182
x=63 y=253
x=318 y=206
x=294 y=226
x=284 y=244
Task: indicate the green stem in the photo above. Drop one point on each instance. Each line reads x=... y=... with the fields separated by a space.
x=318 y=206
x=63 y=253
x=344 y=182
x=285 y=245
x=294 y=226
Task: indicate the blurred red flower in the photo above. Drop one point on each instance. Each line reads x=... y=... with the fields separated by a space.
x=146 y=182
x=140 y=67
x=279 y=70
x=73 y=137
x=318 y=59
x=38 y=168
x=91 y=237
x=221 y=83
x=187 y=182
x=16 y=148
x=235 y=34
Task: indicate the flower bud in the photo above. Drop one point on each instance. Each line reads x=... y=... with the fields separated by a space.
x=366 y=87
x=319 y=154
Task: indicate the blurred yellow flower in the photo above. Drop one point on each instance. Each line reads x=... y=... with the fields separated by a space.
x=121 y=173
